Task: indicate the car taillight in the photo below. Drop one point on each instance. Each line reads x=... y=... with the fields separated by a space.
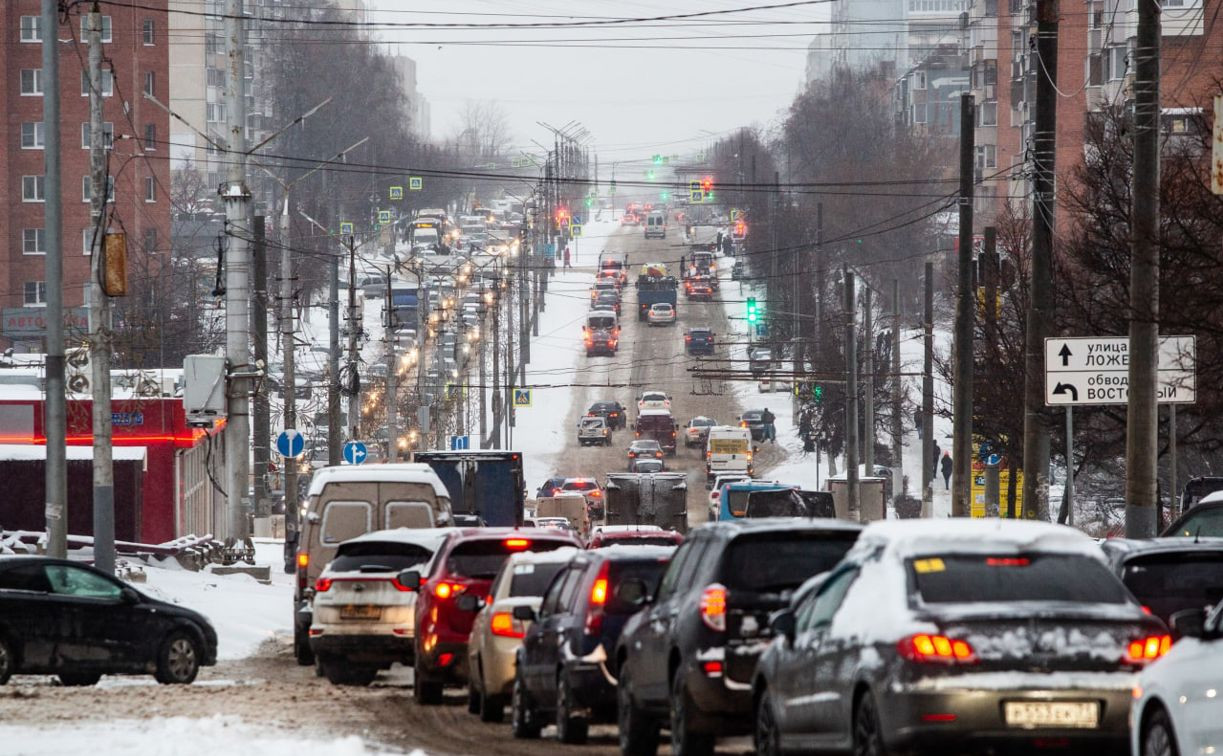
x=517 y=543
x=1148 y=649
x=936 y=648
x=444 y=590
x=742 y=423
x=598 y=600
x=504 y=625
x=708 y=455
x=596 y=494
x=400 y=586
x=713 y=607
x=322 y=585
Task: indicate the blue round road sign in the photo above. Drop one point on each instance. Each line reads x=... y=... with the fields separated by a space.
x=290 y=443
x=354 y=452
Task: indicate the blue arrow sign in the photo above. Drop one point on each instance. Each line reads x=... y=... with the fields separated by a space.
x=460 y=443
x=354 y=452
x=993 y=460
x=290 y=443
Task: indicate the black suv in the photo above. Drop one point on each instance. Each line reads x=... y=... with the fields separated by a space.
x=614 y=412
x=699 y=341
x=686 y=661
x=562 y=665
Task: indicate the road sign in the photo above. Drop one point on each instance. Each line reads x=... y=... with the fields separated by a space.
x=696 y=195
x=734 y=214
x=460 y=443
x=395 y=192
x=415 y=183
x=290 y=443
x=1083 y=370
x=384 y=216
x=355 y=452
x=346 y=228
x=522 y=397
x=576 y=229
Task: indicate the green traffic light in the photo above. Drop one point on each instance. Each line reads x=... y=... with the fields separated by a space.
x=817 y=392
x=658 y=160
x=649 y=175
x=664 y=196
x=752 y=313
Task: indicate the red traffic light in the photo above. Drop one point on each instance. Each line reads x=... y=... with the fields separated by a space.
x=707 y=184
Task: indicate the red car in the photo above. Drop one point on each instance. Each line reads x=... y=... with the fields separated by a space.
x=464 y=565
x=700 y=291
x=633 y=535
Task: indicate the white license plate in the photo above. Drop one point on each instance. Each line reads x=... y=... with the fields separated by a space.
x=360 y=611
x=1052 y=714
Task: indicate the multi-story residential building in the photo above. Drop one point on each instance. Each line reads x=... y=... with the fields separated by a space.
x=197 y=87
x=418 y=105
x=859 y=34
x=136 y=64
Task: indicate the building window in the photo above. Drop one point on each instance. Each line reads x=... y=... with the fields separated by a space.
x=987 y=114
x=216 y=78
x=108 y=83
x=212 y=44
x=150 y=137
x=31 y=29
x=32 y=135
x=150 y=189
x=32 y=189
x=31 y=82
x=147 y=32
x=108 y=135
x=150 y=240
x=33 y=241
x=986 y=157
x=87 y=188
x=215 y=112
x=150 y=83
x=106 y=28
x=35 y=293
x=1116 y=66
x=919 y=79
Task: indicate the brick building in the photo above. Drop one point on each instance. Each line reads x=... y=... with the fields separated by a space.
x=135 y=62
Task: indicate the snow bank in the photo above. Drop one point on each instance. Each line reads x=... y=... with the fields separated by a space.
x=177 y=736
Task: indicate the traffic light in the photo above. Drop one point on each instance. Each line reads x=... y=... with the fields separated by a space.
x=664 y=196
x=590 y=201
x=752 y=313
x=707 y=184
x=649 y=175
x=562 y=216
x=740 y=229
x=658 y=160
x=817 y=392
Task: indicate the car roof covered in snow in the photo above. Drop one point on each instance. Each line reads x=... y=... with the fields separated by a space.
x=904 y=539
x=401 y=472
x=430 y=538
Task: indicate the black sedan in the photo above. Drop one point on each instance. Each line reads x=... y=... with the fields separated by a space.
x=59 y=617
x=617 y=416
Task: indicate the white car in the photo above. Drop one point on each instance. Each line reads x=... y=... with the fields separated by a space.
x=363 y=619
x=653 y=400
x=1177 y=702
x=661 y=313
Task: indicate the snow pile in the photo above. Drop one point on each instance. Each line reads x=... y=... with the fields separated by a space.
x=177 y=736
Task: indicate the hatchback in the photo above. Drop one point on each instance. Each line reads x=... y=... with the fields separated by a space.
x=696 y=430
x=661 y=313
x=699 y=341
x=1168 y=575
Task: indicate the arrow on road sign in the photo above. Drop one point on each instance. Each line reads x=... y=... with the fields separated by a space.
x=1065 y=354
x=1063 y=388
x=355 y=452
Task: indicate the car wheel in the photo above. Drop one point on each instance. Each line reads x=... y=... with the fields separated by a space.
x=425 y=692
x=1158 y=739
x=473 y=698
x=524 y=722
x=339 y=672
x=301 y=648
x=178 y=660
x=638 y=730
x=685 y=742
x=79 y=679
x=868 y=740
x=8 y=660
x=492 y=708
x=570 y=728
x=767 y=735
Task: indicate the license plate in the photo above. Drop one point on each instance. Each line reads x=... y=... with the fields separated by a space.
x=360 y=611
x=1052 y=714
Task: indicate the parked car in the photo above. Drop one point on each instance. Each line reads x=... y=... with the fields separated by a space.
x=1168 y=575
x=999 y=635
x=614 y=412
x=364 y=619
x=466 y=562
x=699 y=341
x=633 y=535
x=64 y=618
x=687 y=658
x=660 y=313
x=696 y=430
x=753 y=420
x=496 y=634
x=1175 y=708
x=562 y=665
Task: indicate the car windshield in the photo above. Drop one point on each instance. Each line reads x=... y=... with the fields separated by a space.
x=782 y=561
x=592 y=422
x=1168 y=583
x=978 y=578
x=603 y=407
x=483 y=558
x=1206 y=522
x=531 y=579
x=379 y=556
x=702 y=422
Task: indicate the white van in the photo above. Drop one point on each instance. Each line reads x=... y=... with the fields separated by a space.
x=656 y=225
x=728 y=450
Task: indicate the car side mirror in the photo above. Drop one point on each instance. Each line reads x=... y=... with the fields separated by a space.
x=524 y=613
x=634 y=592
x=783 y=624
x=130 y=595
x=1189 y=623
x=468 y=603
x=409 y=579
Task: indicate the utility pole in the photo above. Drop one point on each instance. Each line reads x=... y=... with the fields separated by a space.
x=56 y=505
x=524 y=342
x=354 y=393
x=927 y=398
x=510 y=368
x=1040 y=308
x=868 y=410
x=288 y=351
x=497 y=405
x=851 y=398
x=261 y=408
x=237 y=196
x=1142 y=410
x=898 y=396
x=392 y=376
x=819 y=287
x=962 y=389
x=482 y=355
x=99 y=310
x=334 y=431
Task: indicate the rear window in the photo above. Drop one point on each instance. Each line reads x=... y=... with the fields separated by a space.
x=963 y=578
x=775 y=504
x=533 y=579
x=782 y=561
x=638 y=541
x=580 y=485
x=1168 y=583
x=649 y=572
x=483 y=558
x=1207 y=523
x=380 y=556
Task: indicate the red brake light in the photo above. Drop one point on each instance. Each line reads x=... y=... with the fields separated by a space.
x=1148 y=649
x=1008 y=561
x=598 y=600
x=445 y=590
x=936 y=648
x=713 y=607
x=712 y=668
x=598 y=592
x=322 y=585
x=596 y=494
x=504 y=625
x=517 y=543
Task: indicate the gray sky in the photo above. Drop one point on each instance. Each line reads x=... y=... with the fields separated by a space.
x=648 y=96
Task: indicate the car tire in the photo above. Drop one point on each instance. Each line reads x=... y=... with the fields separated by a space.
x=524 y=722
x=570 y=728
x=425 y=692
x=492 y=708
x=8 y=660
x=339 y=672
x=767 y=736
x=178 y=659
x=867 y=735
x=685 y=742
x=638 y=731
x=79 y=679
x=1158 y=737
x=473 y=698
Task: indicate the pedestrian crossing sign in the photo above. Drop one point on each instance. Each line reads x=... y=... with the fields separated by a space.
x=415 y=183
x=396 y=193
x=346 y=228
x=576 y=229
x=384 y=216
x=522 y=397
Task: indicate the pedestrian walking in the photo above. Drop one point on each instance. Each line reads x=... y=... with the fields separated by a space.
x=918 y=421
x=770 y=430
x=946 y=465
x=938 y=452
x=568 y=264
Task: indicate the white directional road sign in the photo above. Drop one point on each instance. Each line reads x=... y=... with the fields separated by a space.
x=1083 y=370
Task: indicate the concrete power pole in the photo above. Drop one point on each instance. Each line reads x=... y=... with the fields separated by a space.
x=288 y=350
x=927 y=396
x=261 y=408
x=99 y=310
x=334 y=431
x=1040 y=308
x=868 y=406
x=354 y=394
x=1142 y=411
x=56 y=505
x=965 y=309
x=851 y=398
x=392 y=375
x=236 y=196
x=898 y=397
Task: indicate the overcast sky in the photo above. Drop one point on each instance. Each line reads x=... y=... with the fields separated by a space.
x=636 y=93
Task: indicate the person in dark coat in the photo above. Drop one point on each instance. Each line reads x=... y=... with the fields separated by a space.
x=946 y=465
x=770 y=430
x=938 y=452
